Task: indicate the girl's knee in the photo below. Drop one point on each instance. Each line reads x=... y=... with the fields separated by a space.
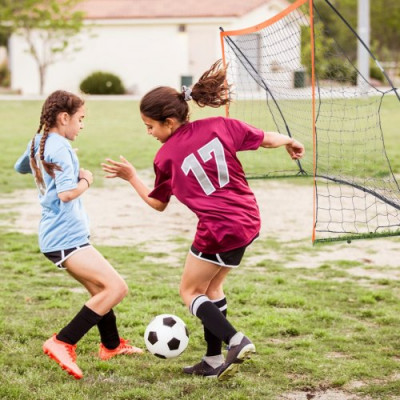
x=213 y=294
x=122 y=289
x=182 y=292
x=117 y=290
x=186 y=295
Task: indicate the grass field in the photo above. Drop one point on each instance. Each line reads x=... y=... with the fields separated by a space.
x=112 y=128
x=348 y=133
x=315 y=330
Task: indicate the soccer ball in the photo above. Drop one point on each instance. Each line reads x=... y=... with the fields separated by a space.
x=166 y=336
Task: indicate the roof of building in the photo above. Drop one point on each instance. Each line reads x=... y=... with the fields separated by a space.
x=122 y=9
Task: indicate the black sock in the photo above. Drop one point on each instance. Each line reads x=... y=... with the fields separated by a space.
x=214 y=345
x=212 y=318
x=109 y=331
x=79 y=326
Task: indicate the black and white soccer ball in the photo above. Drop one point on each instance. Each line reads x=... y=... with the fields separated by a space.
x=166 y=336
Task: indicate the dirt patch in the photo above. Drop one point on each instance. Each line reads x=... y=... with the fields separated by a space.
x=119 y=217
x=325 y=395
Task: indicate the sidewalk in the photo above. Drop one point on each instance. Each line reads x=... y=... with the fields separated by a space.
x=19 y=97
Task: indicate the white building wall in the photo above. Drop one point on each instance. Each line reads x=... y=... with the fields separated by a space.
x=274 y=57
x=143 y=53
x=204 y=48
x=142 y=56
x=24 y=72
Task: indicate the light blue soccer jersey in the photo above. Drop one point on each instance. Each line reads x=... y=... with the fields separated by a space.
x=62 y=225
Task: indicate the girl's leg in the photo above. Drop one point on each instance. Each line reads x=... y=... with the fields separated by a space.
x=212 y=361
x=216 y=294
x=108 y=330
x=107 y=289
x=107 y=325
x=91 y=269
x=196 y=279
x=196 y=283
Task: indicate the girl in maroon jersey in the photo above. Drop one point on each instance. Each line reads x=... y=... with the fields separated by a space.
x=197 y=163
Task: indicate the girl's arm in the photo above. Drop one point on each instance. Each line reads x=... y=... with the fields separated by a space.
x=126 y=171
x=22 y=165
x=293 y=147
x=85 y=180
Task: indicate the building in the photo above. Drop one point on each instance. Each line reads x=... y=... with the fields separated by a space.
x=146 y=43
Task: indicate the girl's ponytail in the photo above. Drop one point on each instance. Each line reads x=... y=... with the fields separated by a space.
x=164 y=102
x=58 y=102
x=48 y=167
x=212 y=89
x=37 y=173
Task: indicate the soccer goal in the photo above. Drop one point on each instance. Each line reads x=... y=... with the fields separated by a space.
x=297 y=74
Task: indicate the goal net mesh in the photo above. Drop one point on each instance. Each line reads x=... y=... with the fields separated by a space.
x=292 y=74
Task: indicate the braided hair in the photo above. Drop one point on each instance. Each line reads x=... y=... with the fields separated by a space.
x=58 y=102
x=165 y=102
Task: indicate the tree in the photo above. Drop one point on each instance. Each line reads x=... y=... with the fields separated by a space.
x=49 y=27
x=384 y=32
x=337 y=30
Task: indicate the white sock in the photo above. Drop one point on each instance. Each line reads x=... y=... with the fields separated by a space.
x=236 y=339
x=214 y=361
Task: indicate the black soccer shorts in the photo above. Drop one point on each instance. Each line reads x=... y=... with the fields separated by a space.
x=59 y=256
x=231 y=258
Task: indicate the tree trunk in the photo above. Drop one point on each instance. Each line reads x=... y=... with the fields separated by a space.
x=42 y=76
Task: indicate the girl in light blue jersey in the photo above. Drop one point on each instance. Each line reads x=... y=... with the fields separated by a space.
x=64 y=230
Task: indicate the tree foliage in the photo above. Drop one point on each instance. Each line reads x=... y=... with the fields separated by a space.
x=332 y=34
x=49 y=27
x=385 y=20
x=384 y=26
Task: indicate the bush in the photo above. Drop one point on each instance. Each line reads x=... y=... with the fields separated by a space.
x=102 y=83
x=376 y=73
x=339 y=71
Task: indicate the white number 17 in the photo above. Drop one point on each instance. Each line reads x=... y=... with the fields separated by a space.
x=190 y=163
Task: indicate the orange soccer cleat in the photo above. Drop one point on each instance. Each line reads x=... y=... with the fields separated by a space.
x=64 y=354
x=123 y=348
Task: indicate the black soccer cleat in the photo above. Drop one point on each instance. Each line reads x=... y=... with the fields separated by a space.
x=236 y=355
x=202 y=369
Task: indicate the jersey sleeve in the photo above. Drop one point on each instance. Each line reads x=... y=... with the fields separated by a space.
x=65 y=179
x=162 y=187
x=245 y=136
x=23 y=163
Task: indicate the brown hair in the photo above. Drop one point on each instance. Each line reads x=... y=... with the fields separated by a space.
x=58 y=102
x=165 y=102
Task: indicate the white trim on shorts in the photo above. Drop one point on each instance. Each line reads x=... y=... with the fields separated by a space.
x=78 y=248
x=220 y=262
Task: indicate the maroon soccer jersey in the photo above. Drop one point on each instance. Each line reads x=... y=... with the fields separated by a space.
x=198 y=164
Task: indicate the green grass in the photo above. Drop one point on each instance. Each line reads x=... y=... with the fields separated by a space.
x=314 y=329
x=349 y=139
x=113 y=128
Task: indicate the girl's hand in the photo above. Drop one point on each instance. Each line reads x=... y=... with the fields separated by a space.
x=124 y=169
x=295 y=150
x=86 y=174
